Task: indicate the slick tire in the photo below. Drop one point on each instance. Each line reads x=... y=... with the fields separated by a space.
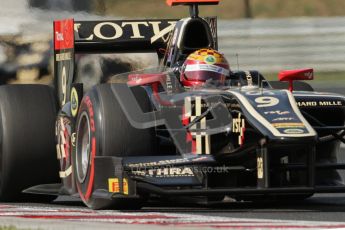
x=297 y=85
x=103 y=130
x=27 y=142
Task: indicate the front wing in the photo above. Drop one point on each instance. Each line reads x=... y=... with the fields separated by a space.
x=197 y=176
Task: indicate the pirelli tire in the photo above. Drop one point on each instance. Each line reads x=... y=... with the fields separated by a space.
x=27 y=142
x=102 y=129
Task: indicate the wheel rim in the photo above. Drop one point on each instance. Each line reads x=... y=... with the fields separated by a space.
x=83 y=147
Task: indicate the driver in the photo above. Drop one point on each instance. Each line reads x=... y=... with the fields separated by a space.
x=203 y=65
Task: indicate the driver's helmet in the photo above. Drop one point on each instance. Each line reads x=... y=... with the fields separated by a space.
x=204 y=65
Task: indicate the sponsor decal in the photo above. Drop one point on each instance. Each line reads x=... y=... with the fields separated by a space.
x=114 y=185
x=284 y=119
x=231 y=106
x=239 y=126
x=330 y=103
x=166 y=172
x=169 y=85
x=59 y=36
x=124 y=30
x=210 y=59
x=260 y=169
x=206 y=67
x=293 y=131
x=63 y=56
x=278 y=112
x=319 y=103
x=63 y=36
x=91 y=113
x=309 y=75
x=125 y=186
x=307 y=103
x=74 y=102
x=288 y=125
x=159 y=163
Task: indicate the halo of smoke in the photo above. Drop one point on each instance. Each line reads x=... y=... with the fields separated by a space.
x=96 y=69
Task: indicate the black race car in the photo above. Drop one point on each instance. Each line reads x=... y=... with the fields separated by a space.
x=142 y=135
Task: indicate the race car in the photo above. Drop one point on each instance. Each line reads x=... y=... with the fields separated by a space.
x=190 y=128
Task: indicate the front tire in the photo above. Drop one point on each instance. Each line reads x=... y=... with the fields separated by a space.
x=103 y=130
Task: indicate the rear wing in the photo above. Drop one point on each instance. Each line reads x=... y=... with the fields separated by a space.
x=122 y=36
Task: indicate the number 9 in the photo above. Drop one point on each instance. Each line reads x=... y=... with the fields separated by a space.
x=267 y=101
x=63 y=86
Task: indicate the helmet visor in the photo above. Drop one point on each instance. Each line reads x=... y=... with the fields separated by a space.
x=205 y=72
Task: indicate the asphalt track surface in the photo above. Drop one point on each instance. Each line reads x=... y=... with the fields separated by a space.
x=319 y=212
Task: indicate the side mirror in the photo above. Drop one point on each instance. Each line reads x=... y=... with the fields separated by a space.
x=297 y=74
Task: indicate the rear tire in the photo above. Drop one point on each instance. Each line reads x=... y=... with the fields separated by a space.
x=27 y=139
x=103 y=130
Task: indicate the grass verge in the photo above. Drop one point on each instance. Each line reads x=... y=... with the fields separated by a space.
x=8 y=228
